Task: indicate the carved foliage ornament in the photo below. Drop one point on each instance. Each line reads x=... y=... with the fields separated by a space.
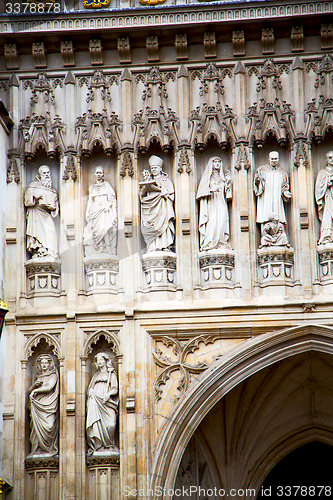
x=13 y=172
x=96 y=4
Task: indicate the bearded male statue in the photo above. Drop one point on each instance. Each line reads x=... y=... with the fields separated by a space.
x=42 y=202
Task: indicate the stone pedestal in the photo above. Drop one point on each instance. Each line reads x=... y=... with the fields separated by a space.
x=43 y=276
x=159 y=270
x=43 y=472
x=104 y=481
x=217 y=268
x=325 y=254
x=102 y=272
x=276 y=265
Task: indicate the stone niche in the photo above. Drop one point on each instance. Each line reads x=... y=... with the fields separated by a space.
x=101 y=263
x=43 y=272
x=103 y=464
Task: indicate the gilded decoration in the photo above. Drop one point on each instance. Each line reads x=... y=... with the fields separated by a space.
x=96 y=4
x=151 y=2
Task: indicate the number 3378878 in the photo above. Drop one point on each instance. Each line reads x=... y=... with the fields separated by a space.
x=24 y=7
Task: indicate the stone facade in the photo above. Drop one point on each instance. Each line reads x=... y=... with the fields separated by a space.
x=185 y=329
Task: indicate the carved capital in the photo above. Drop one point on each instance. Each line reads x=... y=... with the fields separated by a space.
x=67 y=53
x=96 y=51
x=11 y=55
x=124 y=50
x=238 y=43
x=297 y=38
x=181 y=46
x=39 y=54
x=267 y=40
x=326 y=36
x=209 y=45
x=152 y=48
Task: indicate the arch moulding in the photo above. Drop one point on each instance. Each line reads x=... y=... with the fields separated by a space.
x=237 y=365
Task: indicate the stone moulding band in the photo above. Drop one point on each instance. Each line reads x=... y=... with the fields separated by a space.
x=164 y=17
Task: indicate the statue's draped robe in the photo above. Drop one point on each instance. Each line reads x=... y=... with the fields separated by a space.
x=324 y=199
x=102 y=417
x=44 y=415
x=157 y=215
x=270 y=192
x=41 y=230
x=101 y=215
x=214 y=216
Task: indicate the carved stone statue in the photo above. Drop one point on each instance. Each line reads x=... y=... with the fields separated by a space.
x=213 y=192
x=324 y=199
x=157 y=195
x=100 y=233
x=273 y=233
x=102 y=406
x=43 y=405
x=41 y=200
x=271 y=186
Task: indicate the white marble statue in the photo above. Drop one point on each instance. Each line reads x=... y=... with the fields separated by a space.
x=43 y=406
x=102 y=406
x=271 y=186
x=157 y=195
x=100 y=233
x=324 y=199
x=214 y=190
x=41 y=200
x=273 y=233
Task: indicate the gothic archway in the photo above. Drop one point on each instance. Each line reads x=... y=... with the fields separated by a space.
x=234 y=368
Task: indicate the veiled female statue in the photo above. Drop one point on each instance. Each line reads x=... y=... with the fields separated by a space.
x=43 y=405
x=102 y=406
x=213 y=192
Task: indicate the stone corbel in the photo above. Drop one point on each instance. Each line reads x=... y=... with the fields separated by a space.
x=11 y=55
x=39 y=54
x=127 y=165
x=209 y=45
x=242 y=159
x=184 y=163
x=67 y=53
x=96 y=51
x=13 y=171
x=70 y=169
x=238 y=43
x=181 y=46
x=297 y=38
x=326 y=36
x=124 y=50
x=267 y=40
x=152 y=48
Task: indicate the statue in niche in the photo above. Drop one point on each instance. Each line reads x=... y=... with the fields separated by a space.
x=324 y=199
x=100 y=233
x=157 y=195
x=42 y=202
x=102 y=406
x=273 y=233
x=271 y=186
x=214 y=190
x=43 y=406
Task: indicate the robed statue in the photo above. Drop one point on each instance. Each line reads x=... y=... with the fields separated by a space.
x=271 y=187
x=214 y=191
x=43 y=406
x=324 y=199
x=157 y=195
x=100 y=233
x=41 y=200
x=102 y=406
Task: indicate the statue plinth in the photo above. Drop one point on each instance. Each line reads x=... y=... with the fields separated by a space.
x=276 y=265
x=159 y=268
x=325 y=254
x=43 y=470
x=217 y=268
x=104 y=481
x=43 y=276
x=102 y=272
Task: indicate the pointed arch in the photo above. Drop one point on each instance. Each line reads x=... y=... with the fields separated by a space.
x=237 y=365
